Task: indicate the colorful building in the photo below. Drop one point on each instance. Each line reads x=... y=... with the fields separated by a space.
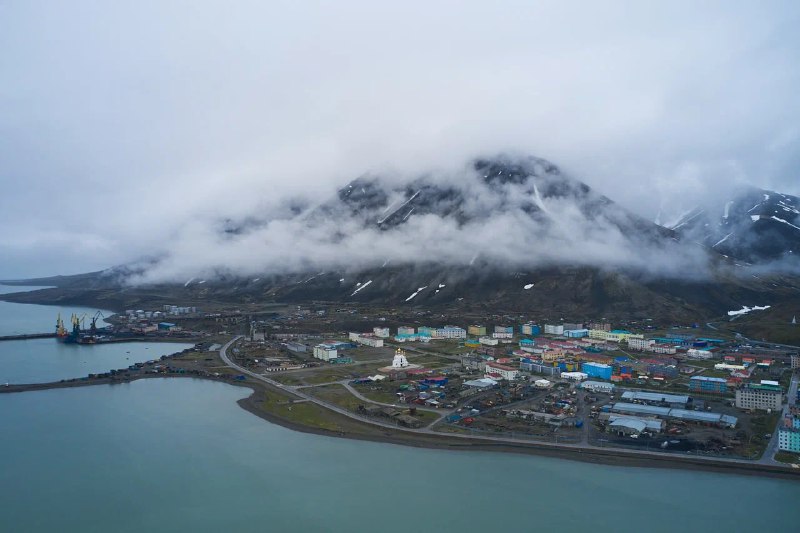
x=451 y=332
x=383 y=333
x=531 y=329
x=597 y=370
x=476 y=330
x=425 y=331
x=527 y=345
x=367 y=339
x=789 y=440
x=576 y=333
x=325 y=352
x=708 y=385
x=498 y=371
x=698 y=354
x=762 y=396
x=662 y=370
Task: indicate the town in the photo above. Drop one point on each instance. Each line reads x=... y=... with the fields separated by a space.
x=673 y=390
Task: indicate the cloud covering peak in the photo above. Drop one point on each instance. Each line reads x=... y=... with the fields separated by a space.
x=125 y=121
x=511 y=213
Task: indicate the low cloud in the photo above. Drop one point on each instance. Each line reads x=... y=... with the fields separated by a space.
x=126 y=121
x=546 y=220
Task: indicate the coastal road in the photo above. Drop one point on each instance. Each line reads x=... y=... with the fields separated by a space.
x=346 y=384
x=473 y=438
x=223 y=353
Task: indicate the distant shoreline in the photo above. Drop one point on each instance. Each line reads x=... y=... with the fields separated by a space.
x=613 y=457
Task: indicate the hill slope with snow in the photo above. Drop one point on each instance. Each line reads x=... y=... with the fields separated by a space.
x=755 y=226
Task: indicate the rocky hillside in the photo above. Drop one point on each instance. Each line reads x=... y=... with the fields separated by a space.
x=755 y=226
x=510 y=235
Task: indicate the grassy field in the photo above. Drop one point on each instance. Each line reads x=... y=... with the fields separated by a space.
x=383 y=395
x=287 y=378
x=427 y=417
x=764 y=423
x=337 y=395
x=326 y=374
x=302 y=413
x=429 y=361
x=445 y=347
x=788 y=458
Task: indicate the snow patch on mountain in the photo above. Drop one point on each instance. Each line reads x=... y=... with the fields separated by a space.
x=745 y=309
x=416 y=292
x=361 y=287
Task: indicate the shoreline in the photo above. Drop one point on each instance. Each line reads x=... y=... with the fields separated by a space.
x=610 y=456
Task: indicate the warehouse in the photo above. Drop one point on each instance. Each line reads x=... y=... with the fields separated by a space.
x=598 y=386
x=702 y=417
x=655 y=398
x=482 y=383
x=634 y=425
x=639 y=409
x=297 y=347
x=574 y=376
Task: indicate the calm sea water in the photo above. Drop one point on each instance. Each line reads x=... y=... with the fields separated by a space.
x=180 y=455
x=43 y=360
x=17 y=319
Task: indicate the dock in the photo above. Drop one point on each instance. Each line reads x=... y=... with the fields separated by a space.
x=28 y=336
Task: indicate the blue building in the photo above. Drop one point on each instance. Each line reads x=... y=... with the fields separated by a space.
x=531 y=329
x=708 y=385
x=596 y=370
x=663 y=371
x=576 y=333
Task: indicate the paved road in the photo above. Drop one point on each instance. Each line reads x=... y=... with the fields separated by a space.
x=223 y=353
x=427 y=430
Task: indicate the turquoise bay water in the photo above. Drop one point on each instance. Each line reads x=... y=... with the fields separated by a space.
x=17 y=319
x=180 y=455
x=43 y=360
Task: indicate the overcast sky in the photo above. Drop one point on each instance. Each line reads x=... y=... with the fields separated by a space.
x=123 y=122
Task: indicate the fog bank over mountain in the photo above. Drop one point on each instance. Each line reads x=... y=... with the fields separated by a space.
x=506 y=213
x=135 y=129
